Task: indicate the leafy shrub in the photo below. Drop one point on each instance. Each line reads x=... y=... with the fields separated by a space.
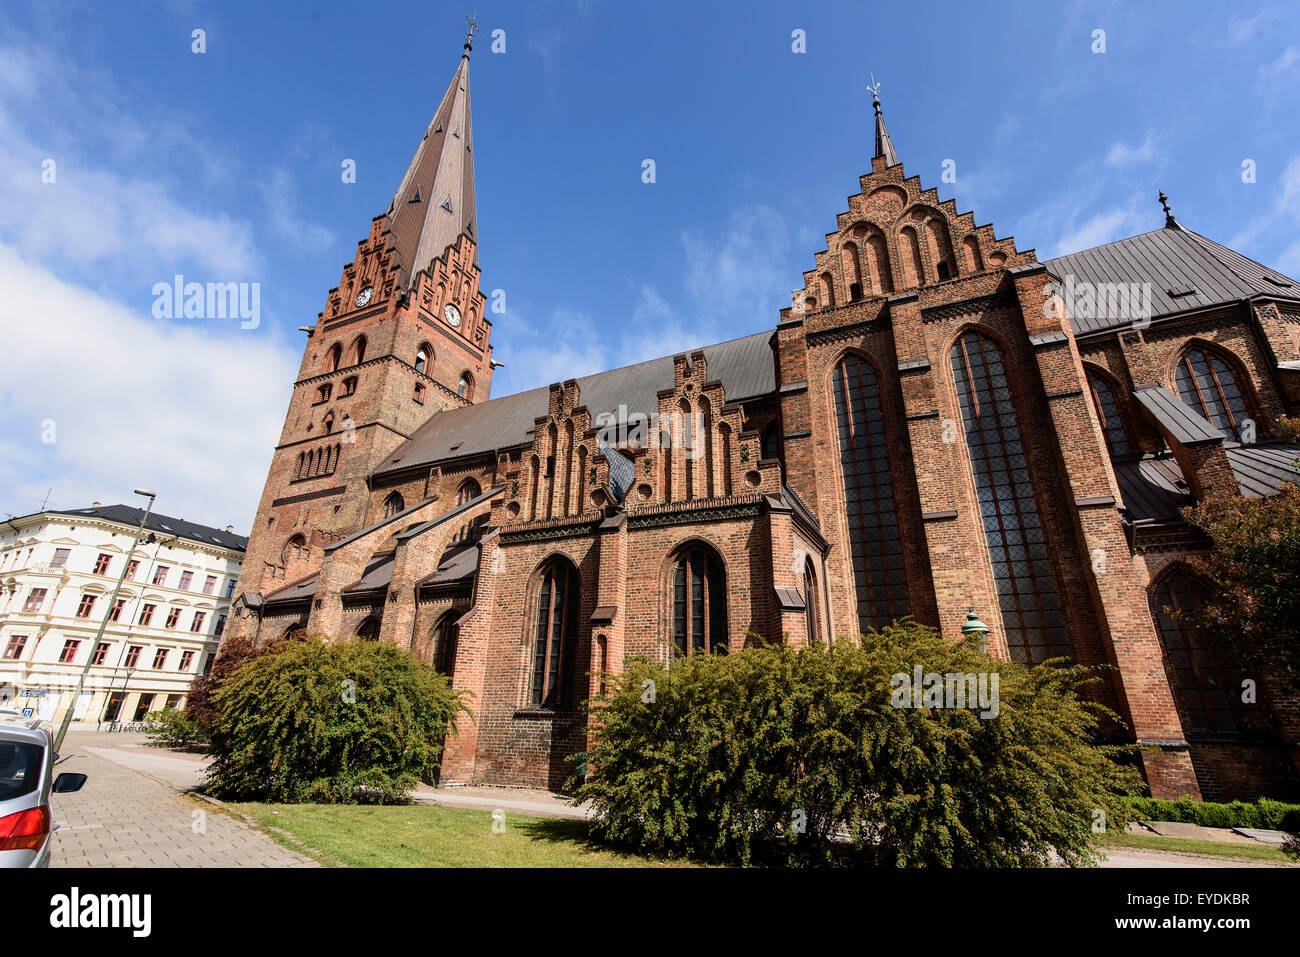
x=172 y=728
x=768 y=753
x=201 y=705
x=1264 y=813
x=338 y=722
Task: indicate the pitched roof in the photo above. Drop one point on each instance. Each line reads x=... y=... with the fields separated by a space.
x=161 y=525
x=1172 y=260
x=434 y=203
x=1153 y=487
x=1185 y=424
x=744 y=366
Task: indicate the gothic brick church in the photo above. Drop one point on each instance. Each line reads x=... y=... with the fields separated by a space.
x=940 y=422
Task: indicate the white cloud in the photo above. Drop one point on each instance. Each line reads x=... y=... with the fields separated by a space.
x=1282 y=220
x=280 y=193
x=1079 y=228
x=192 y=410
x=738 y=280
x=1121 y=154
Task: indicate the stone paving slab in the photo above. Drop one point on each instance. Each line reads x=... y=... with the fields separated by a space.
x=123 y=818
x=1264 y=835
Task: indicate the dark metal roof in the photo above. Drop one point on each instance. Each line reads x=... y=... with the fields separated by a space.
x=1184 y=425
x=1171 y=260
x=395 y=517
x=161 y=525
x=458 y=563
x=1153 y=488
x=298 y=591
x=744 y=366
x=378 y=573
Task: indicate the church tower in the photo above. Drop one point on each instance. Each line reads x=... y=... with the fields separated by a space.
x=403 y=336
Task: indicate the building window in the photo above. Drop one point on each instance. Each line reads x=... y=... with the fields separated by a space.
x=69 y=652
x=173 y=616
x=368 y=630
x=419 y=392
x=810 y=601
x=173 y=702
x=35 y=598
x=555 y=637
x=1112 y=424
x=61 y=557
x=146 y=614
x=875 y=546
x=102 y=563
x=186 y=577
x=187 y=659
x=87 y=606
x=221 y=625
x=115 y=613
x=443 y=644
x=160 y=575
x=465 y=387
x=209 y=584
x=422 y=358
x=1207 y=385
x=160 y=659
x=393 y=504
x=357 y=354
x=349 y=386
x=133 y=655
x=196 y=624
x=101 y=652
x=230 y=588
x=143 y=706
x=323 y=393
x=1031 y=610
x=14 y=650
x=131 y=567
x=468 y=489
x=114 y=706
x=333 y=357
x=699 y=592
x=1206 y=685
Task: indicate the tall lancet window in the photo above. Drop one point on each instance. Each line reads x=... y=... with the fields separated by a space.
x=1031 y=610
x=556 y=637
x=879 y=579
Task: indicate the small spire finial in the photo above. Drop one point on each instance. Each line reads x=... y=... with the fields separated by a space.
x=1170 y=222
x=874 y=87
x=471 y=33
x=884 y=145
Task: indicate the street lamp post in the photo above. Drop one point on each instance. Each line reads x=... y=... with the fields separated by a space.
x=973 y=626
x=81 y=680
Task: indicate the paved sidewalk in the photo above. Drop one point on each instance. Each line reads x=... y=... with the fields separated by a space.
x=125 y=818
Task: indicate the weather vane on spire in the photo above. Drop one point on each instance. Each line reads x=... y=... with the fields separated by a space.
x=473 y=31
x=875 y=89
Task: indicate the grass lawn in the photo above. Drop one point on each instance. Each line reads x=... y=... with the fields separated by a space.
x=1154 y=842
x=425 y=835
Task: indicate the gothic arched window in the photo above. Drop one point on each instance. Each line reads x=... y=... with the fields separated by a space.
x=879 y=579
x=333 y=357
x=555 y=642
x=393 y=504
x=1031 y=610
x=465 y=387
x=1206 y=383
x=368 y=630
x=422 y=357
x=699 y=594
x=1112 y=423
x=443 y=644
x=357 y=354
x=1206 y=687
x=810 y=600
x=468 y=489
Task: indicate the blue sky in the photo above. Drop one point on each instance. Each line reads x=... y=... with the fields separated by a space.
x=225 y=166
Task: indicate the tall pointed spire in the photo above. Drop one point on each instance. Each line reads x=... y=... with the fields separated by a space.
x=884 y=145
x=434 y=204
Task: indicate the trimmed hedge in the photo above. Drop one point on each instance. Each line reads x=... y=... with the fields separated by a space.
x=772 y=755
x=1266 y=814
x=332 y=722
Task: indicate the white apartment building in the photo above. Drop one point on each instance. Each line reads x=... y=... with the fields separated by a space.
x=58 y=570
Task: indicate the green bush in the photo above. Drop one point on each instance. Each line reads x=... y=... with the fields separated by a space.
x=767 y=754
x=338 y=722
x=1264 y=813
x=172 y=728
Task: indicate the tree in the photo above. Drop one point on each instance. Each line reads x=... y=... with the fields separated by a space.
x=1253 y=573
x=334 y=722
x=825 y=756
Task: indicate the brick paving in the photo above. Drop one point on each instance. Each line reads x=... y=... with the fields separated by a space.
x=125 y=818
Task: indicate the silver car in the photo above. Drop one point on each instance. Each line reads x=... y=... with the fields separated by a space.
x=26 y=781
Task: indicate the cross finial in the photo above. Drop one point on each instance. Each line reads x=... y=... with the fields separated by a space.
x=471 y=33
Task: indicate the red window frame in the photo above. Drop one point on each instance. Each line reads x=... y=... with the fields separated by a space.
x=187 y=659
x=86 y=606
x=14 y=649
x=187 y=576
x=133 y=655
x=173 y=617
x=132 y=567
x=160 y=574
x=69 y=653
x=102 y=563
x=209 y=584
x=160 y=659
x=100 y=653
x=146 y=614
x=115 y=613
x=196 y=624
x=35 y=599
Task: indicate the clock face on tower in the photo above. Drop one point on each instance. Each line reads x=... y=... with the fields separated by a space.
x=363 y=297
x=452 y=315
